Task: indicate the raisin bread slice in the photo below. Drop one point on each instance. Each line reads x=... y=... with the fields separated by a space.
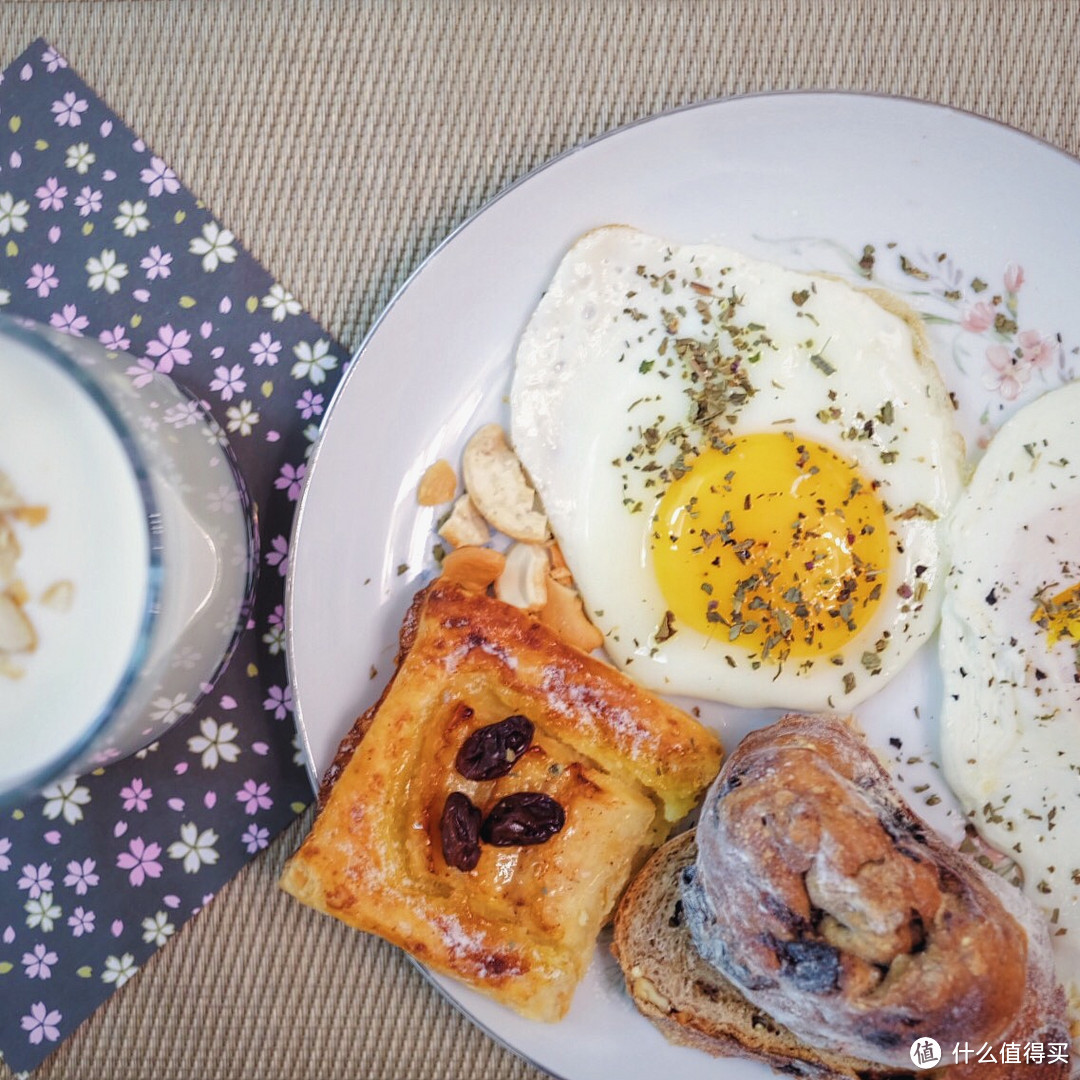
x=688 y=999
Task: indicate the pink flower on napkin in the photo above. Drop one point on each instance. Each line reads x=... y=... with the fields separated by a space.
x=68 y=321
x=254 y=796
x=140 y=860
x=160 y=178
x=51 y=195
x=41 y=1023
x=168 y=348
x=69 y=110
x=42 y=279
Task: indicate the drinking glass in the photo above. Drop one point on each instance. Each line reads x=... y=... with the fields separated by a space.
x=127 y=555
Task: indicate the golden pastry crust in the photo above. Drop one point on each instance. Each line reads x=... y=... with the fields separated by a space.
x=835 y=908
x=521 y=925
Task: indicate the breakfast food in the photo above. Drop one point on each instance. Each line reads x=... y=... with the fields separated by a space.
x=832 y=908
x=1010 y=659
x=487 y=812
x=745 y=467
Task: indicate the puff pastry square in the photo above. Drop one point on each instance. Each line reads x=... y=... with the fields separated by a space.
x=522 y=925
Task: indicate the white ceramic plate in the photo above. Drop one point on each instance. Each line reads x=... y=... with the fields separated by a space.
x=807 y=180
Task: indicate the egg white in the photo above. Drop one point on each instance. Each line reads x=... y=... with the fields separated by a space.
x=839 y=369
x=1010 y=717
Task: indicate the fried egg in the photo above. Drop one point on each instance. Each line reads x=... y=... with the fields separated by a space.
x=1010 y=658
x=746 y=468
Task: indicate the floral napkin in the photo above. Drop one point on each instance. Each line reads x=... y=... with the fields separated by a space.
x=99 y=237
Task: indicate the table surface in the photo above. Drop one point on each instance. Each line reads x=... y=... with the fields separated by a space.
x=341 y=141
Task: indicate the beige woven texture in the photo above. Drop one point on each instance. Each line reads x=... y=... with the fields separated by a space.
x=341 y=141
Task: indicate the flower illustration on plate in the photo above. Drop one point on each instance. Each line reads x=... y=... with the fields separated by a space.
x=51 y=195
x=106 y=271
x=118 y=969
x=12 y=213
x=81 y=876
x=196 y=849
x=88 y=201
x=68 y=110
x=41 y=1023
x=38 y=964
x=42 y=279
x=65 y=798
x=131 y=218
x=80 y=157
x=313 y=361
x=140 y=861
x=215 y=245
x=215 y=742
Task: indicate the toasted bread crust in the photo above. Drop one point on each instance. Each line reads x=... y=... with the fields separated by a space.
x=521 y=924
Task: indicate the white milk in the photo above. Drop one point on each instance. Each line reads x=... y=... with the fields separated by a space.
x=159 y=562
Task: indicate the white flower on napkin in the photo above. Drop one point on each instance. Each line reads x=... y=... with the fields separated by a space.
x=12 y=213
x=195 y=848
x=215 y=246
x=105 y=271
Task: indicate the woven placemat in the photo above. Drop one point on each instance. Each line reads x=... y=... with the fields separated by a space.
x=341 y=141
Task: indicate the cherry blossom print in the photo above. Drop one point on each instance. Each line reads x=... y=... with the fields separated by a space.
x=241 y=418
x=309 y=404
x=41 y=912
x=140 y=861
x=81 y=922
x=12 y=214
x=42 y=279
x=42 y=1023
x=313 y=362
x=69 y=109
x=80 y=157
x=215 y=245
x=215 y=743
x=978 y=318
x=1014 y=277
x=194 y=849
x=102 y=240
x=105 y=271
x=183 y=414
x=280 y=302
x=38 y=963
x=156 y=263
x=159 y=178
x=291 y=480
x=81 y=876
x=66 y=798
x=278 y=555
x=118 y=969
x=68 y=321
x=254 y=796
x=52 y=60
x=255 y=838
x=51 y=195
x=1035 y=350
x=136 y=796
x=88 y=201
x=279 y=701
x=169 y=348
x=131 y=217
x=228 y=381
x=36 y=880
x=1008 y=372
x=265 y=350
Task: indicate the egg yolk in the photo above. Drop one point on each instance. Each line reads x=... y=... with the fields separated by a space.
x=1059 y=616
x=775 y=542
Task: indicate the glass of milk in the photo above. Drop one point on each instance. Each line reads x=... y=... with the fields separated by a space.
x=127 y=556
